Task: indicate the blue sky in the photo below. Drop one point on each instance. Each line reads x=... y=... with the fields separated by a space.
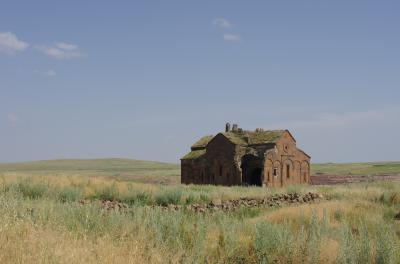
x=144 y=79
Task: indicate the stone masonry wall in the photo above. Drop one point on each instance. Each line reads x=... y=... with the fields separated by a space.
x=283 y=163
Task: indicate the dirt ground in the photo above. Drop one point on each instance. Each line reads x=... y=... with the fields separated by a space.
x=331 y=179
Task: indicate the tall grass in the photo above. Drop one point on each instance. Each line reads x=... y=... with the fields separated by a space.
x=45 y=220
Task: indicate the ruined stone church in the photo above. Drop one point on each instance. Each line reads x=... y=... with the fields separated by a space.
x=240 y=157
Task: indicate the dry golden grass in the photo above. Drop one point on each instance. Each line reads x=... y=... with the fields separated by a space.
x=45 y=229
x=26 y=243
x=330 y=251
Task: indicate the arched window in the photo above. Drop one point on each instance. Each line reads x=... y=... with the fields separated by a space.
x=285 y=148
x=288 y=171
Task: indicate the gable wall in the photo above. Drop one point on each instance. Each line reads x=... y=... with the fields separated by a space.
x=291 y=165
x=221 y=167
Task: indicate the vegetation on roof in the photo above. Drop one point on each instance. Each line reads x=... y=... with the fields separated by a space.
x=195 y=154
x=268 y=136
x=250 y=137
x=236 y=138
x=202 y=143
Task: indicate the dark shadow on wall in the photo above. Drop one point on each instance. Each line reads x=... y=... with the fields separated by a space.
x=251 y=170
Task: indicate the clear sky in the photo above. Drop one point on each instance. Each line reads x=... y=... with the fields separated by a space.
x=145 y=79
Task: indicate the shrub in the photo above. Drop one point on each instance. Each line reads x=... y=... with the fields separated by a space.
x=137 y=198
x=389 y=214
x=347 y=246
x=69 y=194
x=246 y=212
x=268 y=241
x=172 y=196
x=195 y=197
x=190 y=199
x=385 y=247
x=109 y=192
x=364 y=251
x=30 y=190
x=390 y=198
x=205 y=198
x=338 y=215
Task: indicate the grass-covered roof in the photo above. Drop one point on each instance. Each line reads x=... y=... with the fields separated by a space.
x=194 y=154
x=236 y=138
x=268 y=136
x=254 y=137
x=202 y=143
x=242 y=138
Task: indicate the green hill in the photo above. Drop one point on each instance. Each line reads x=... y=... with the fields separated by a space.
x=88 y=164
x=125 y=169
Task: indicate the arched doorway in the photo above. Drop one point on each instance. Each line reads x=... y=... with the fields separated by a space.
x=252 y=170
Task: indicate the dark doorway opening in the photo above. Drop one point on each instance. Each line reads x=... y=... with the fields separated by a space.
x=251 y=170
x=256 y=177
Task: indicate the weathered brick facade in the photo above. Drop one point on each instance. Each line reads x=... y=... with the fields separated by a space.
x=238 y=157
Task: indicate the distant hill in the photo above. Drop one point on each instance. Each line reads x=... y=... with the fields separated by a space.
x=124 y=169
x=88 y=164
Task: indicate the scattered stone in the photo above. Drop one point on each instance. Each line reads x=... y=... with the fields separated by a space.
x=113 y=205
x=269 y=201
x=397 y=217
x=217 y=204
x=84 y=202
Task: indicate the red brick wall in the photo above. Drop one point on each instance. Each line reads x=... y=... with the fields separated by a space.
x=292 y=165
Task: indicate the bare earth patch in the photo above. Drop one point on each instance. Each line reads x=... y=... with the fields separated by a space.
x=332 y=179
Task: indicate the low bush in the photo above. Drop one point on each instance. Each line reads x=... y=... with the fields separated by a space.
x=169 y=196
x=109 y=192
x=270 y=242
x=338 y=215
x=69 y=194
x=29 y=189
x=134 y=197
x=390 y=198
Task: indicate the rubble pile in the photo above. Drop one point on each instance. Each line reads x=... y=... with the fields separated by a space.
x=107 y=204
x=270 y=201
x=113 y=205
x=275 y=200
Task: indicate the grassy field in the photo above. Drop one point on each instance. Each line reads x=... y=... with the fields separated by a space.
x=43 y=219
x=367 y=168
x=119 y=169
x=164 y=173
